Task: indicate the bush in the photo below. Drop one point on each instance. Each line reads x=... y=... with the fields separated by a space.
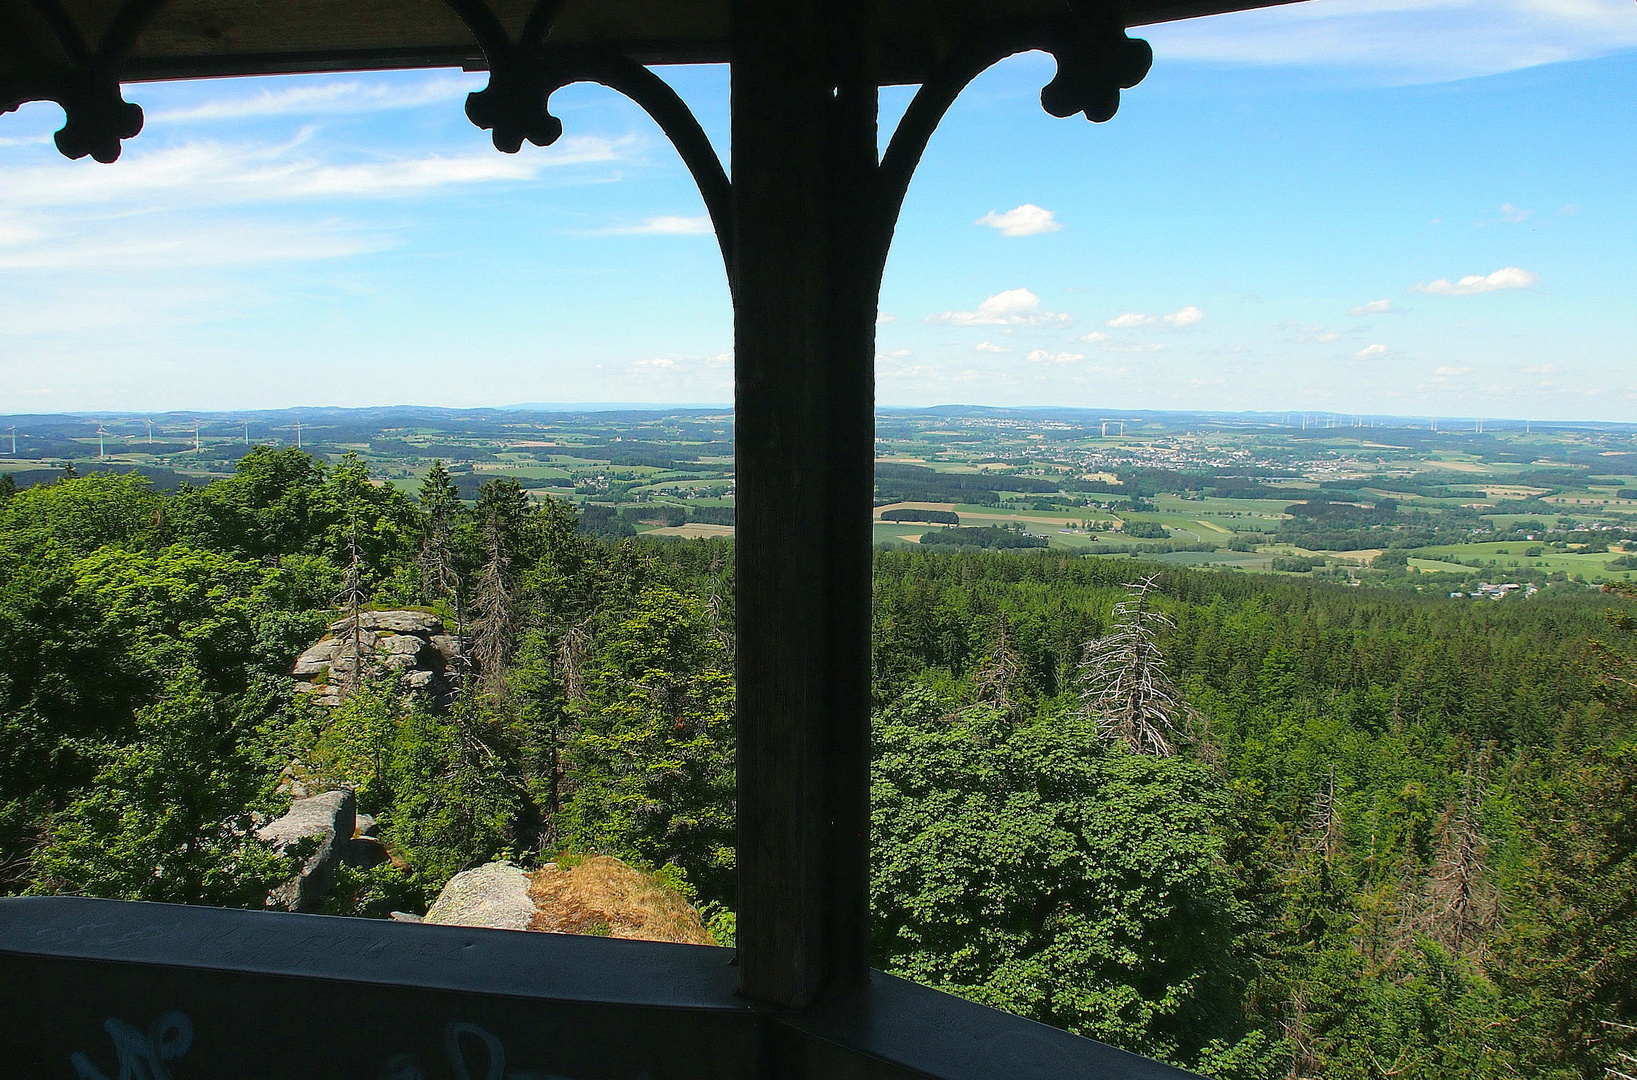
x=934 y=517
x=1145 y=530
x=985 y=536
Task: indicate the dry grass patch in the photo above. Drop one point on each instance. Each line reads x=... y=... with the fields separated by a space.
x=601 y=896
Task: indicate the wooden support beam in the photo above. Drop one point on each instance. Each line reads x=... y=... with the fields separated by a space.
x=804 y=156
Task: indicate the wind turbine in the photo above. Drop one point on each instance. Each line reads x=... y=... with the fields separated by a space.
x=13 y=430
x=298 y=434
x=196 y=433
x=247 y=433
x=150 y=431
x=102 y=433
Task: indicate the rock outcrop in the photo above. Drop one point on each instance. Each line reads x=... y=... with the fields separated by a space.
x=496 y=895
x=315 y=831
x=411 y=644
x=595 y=895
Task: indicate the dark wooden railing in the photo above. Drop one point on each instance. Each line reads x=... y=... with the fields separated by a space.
x=114 y=990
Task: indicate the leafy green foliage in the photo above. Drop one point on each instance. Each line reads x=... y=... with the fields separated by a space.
x=1039 y=871
x=166 y=817
x=1399 y=844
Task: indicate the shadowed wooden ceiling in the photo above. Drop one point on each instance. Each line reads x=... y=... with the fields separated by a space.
x=184 y=38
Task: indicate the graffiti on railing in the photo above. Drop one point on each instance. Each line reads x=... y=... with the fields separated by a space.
x=141 y=1056
x=469 y=1052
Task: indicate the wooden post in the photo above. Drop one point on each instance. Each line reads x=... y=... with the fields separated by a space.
x=804 y=155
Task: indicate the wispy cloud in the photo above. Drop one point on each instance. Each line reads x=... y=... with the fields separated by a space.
x=138 y=246
x=1374 y=307
x=682 y=374
x=667 y=225
x=1129 y=320
x=1014 y=307
x=1296 y=333
x=1372 y=352
x=324 y=98
x=1188 y=316
x=208 y=172
x=1406 y=40
x=1510 y=277
x=990 y=347
x=1025 y=220
x=1046 y=356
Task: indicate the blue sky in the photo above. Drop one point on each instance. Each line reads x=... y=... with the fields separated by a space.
x=1365 y=206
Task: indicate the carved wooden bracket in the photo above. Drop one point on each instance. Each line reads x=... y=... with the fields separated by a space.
x=87 y=88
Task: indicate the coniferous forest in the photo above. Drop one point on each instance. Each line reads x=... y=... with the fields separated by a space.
x=1256 y=827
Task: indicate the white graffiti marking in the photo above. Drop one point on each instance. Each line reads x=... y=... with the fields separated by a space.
x=142 y=1056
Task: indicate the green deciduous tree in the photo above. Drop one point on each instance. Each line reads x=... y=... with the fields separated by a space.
x=1035 y=869
x=166 y=817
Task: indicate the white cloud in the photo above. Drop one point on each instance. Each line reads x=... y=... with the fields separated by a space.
x=213 y=173
x=1514 y=214
x=1374 y=307
x=990 y=346
x=884 y=317
x=683 y=374
x=1371 y=352
x=1014 y=307
x=1448 y=372
x=1042 y=356
x=1129 y=320
x=1141 y=347
x=1095 y=335
x=1307 y=335
x=1188 y=316
x=308 y=98
x=1509 y=277
x=667 y=225
x=1025 y=220
x=1406 y=40
x=140 y=247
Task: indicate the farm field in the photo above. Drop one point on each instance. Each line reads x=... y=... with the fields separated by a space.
x=1402 y=504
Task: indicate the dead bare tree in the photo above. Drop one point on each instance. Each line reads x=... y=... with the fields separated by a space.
x=351 y=600
x=999 y=678
x=573 y=649
x=496 y=603
x=436 y=562
x=1323 y=834
x=1124 y=685
x=1461 y=903
x=1625 y=1067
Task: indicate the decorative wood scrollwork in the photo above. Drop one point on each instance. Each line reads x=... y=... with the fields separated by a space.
x=98 y=118
x=524 y=74
x=1095 y=61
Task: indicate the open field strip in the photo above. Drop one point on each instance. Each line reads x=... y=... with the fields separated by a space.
x=692 y=530
x=1433 y=565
